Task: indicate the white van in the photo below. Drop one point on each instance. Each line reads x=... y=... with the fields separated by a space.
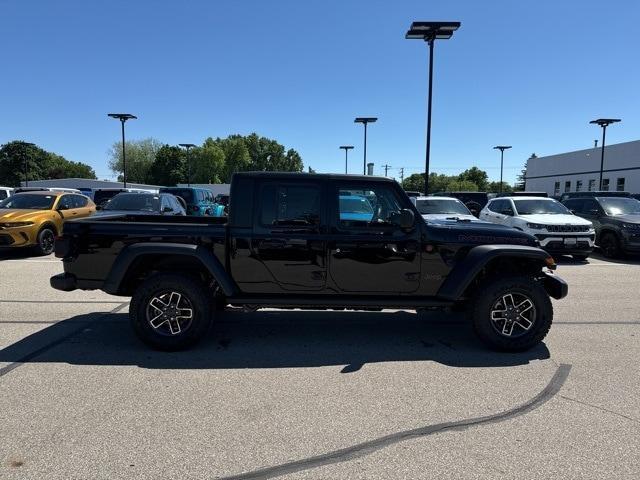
x=5 y=192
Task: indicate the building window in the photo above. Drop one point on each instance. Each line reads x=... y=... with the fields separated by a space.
x=556 y=189
x=620 y=185
x=592 y=184
x=567 y=186
x=579 y=186
x=605 y=184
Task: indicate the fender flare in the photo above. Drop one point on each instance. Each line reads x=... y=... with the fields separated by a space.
x=129 y=254
x=478 y=257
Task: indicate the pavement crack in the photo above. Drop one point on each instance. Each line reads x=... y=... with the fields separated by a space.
x=599 y=408
x=362 y=449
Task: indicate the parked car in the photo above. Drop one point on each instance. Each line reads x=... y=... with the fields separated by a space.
x=523 y=194
x=285 y=244
x=126 y=203
x=616 y=220
x=199 y=201
x=411 y=193
x=568 y=195
x=33 y=219
x=223 y=199
x=556 y=228
x=5 y=192
x=355 y=208
x=474 y=201
x=636 y=196
x=443 y=209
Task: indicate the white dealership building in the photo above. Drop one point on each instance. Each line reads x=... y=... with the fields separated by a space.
x=579 y=171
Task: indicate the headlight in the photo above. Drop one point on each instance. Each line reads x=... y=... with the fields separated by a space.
x=631 y=226
x=535 y=226
x=16 y=224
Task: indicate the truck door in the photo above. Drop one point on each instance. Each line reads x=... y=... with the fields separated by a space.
x=368 y=253
x=287 y=239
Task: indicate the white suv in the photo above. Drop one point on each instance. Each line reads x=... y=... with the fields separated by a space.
x=557 y=229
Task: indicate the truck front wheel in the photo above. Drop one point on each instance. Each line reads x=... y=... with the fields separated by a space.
x=512 y=314
x=170 y=311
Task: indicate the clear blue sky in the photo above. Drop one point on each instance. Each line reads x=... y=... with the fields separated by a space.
x=528 y=74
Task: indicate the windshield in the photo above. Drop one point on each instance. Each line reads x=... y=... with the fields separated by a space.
x=355 y=205
x=534 y=207
x=620 y=206
x=134 y=201
x=426 y=207
x=185 y=193
x=29 y=201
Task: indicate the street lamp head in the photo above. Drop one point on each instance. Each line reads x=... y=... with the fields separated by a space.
x=365 y=119
x=605 y=122
x=502 y=148
x=187 y=145
x=346 y=147
x=123 y=117
x=431 y=30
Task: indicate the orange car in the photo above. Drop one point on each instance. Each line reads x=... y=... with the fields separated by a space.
x=33 y=219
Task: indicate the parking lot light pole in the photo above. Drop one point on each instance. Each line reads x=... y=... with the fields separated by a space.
x=604 y=123
x=430 y=32
x=26 y=161
x=123 y=117
x=502 y=148
x=188 y=146
x=365 y=121
x=346 y=149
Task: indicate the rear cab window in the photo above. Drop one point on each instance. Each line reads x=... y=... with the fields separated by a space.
x=295 y=205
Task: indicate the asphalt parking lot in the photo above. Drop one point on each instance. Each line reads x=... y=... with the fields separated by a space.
x=317 y=395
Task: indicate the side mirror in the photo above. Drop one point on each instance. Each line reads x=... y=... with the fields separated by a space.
x=405 y=219
x=507 y=212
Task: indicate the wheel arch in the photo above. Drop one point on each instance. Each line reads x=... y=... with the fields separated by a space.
x=136 y=262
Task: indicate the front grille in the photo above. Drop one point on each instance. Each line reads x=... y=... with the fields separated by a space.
x=6 y=240
x=568 y=228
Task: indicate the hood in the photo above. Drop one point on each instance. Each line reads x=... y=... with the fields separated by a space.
x=628 y=218
x=478 y=233
x=22 y=215
x=450 y=217
x=555 y=219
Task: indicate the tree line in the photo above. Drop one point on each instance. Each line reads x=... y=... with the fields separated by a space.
x=18 y=158
x=214 y=161
x=471 y=180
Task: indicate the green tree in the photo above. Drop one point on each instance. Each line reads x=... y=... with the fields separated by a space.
x=495 y=187
x=476 y=176
x=521 y=179
x=169 y=167
x=462 y=186
x=207 y=163
x=414 y=182
x=141 y=154
x=236 y=155
x=40 y=164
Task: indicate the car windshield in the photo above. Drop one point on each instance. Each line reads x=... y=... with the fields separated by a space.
x=29 y=201
x=134 y=201
x=533 y=207
x=620 y=206
x=185 y=193
x=427 y=207
x=355 y=205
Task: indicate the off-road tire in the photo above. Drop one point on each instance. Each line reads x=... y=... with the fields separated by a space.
x=522 y=287
x=160 y=288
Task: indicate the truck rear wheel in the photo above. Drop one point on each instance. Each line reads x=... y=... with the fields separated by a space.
x=170 y=311
x=512 y=314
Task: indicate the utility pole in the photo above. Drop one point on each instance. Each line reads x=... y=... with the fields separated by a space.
x=386 y=169
x=401 y=175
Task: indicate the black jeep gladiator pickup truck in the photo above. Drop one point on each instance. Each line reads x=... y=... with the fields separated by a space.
x=311 y=241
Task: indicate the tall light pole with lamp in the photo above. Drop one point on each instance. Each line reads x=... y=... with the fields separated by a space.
x=430 y=32
x=188 y=146
x=604 y=123
x=346 y=149
x=502 y=148
x=123 y=117
x=365 y=121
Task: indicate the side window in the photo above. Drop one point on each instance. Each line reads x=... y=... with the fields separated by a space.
x=80 y=201
x=289 y=205
x=3 y=194
x=498 y=206
x=589 y=205
x=200 y=196
x=575 y=205
x=367 y=208
x=66 y=202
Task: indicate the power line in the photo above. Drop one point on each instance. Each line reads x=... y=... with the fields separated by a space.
x=386 y=169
